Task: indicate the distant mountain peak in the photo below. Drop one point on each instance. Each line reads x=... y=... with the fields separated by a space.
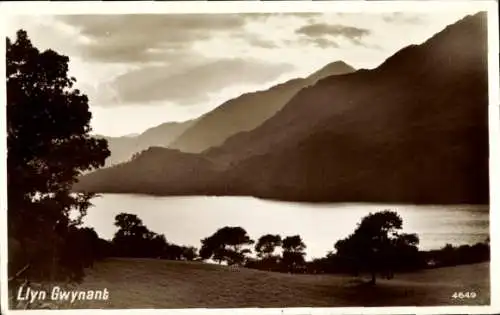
x=412 y=131
x=339 y=63
x=333 y=68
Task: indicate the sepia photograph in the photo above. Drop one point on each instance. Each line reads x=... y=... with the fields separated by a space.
x=272 y=159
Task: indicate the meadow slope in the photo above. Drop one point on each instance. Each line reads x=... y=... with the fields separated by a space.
x=150 y=283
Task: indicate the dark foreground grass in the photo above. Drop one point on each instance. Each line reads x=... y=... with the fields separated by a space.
x=150 y=283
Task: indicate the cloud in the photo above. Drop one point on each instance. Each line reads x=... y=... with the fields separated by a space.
x=144 y=38
x=256 y=41
x=406 y=18
x=165 y=58
x=320 y=42
x=319 y=30
x=192 y=84
x=264 y=16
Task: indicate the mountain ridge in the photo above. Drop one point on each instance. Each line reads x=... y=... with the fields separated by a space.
x=124 y=147
x=234 y=116
x=185 y=136
x=413 y=130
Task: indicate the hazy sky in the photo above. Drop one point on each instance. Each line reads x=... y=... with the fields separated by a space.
x=143 y=70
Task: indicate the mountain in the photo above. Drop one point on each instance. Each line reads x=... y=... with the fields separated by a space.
x=213 y=128
x=413 y=130
x=247 y=111
x=334 y=68
x=123 y=148
x=153 y=168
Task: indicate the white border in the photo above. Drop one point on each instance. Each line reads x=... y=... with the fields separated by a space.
x=91 y=7
x=141 y=7
x=494 y=124
x=3 y=175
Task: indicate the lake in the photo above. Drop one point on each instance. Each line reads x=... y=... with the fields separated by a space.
x=186 y=220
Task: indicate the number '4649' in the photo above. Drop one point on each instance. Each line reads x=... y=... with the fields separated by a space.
x=464 y=295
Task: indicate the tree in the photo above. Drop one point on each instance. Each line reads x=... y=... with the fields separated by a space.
x=133 y=239
x=265 y=248
x=376 y=245
x=129 y=225
x=157 y=246
x=48 y=147
x=81 y=249
x=226 y=244
x=189 y=253
x=266 y=245
x=293 y=244
x=293 y=252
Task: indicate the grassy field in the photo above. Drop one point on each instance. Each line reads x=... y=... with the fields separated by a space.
x=150 y=283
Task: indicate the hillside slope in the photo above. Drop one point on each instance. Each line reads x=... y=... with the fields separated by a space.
x=247 y=111
x=123 y=148
x=154 y=283
x=413 y=130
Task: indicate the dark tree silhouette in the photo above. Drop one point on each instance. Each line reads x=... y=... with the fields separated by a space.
x=82 y=246
x=129 y=225
x=226 y=245
x=266 y=245
x=133 y=239
x=174 y=252
x=293 y=244
x=293 y=253
x=376 y=245
x=189 y=253
x=48 y=147
x=104 y=249
x=157 y=246
x=451 y=255
x=265 y=248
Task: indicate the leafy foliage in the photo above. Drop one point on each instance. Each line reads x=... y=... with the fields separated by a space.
x=267 y=244
x=293 y=252
x=226 y=244
x=376 y=245
x=134 y=239
x=48 y=147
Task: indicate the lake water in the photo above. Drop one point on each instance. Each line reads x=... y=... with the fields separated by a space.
x=186 y=220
